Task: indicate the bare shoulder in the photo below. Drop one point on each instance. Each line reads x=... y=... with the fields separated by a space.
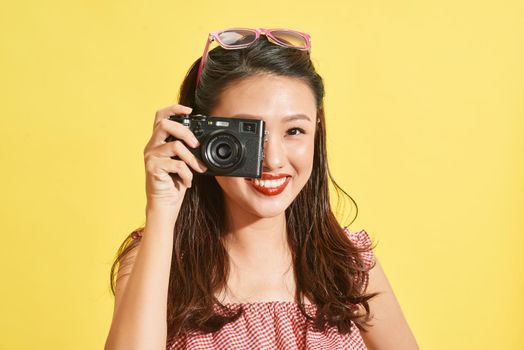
x=390 y=329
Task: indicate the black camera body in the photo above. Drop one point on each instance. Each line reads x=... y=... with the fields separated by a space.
x=228 y=146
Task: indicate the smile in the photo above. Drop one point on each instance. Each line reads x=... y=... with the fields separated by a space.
x=270 y=187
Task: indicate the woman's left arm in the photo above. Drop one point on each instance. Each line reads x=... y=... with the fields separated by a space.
x=390 y=329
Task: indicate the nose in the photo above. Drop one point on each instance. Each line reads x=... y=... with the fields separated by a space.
x=274 y=153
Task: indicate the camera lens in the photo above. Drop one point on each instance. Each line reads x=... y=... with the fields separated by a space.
x=224 y=151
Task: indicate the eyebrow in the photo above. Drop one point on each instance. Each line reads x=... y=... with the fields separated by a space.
x=286 y=119
x=296 y=117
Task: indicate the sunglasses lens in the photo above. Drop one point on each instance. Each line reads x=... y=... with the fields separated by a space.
x=237 y=37
x=289 y=38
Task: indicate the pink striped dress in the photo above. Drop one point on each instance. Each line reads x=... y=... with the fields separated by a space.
x=277 y=324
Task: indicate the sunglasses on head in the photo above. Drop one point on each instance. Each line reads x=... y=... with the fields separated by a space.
x=239 y=38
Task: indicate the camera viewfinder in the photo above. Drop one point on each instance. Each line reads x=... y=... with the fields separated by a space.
x=248 y=127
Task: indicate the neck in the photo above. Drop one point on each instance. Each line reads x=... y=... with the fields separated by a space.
x=260 y=261
x=256 y=243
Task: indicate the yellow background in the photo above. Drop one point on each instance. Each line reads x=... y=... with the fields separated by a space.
x=425 y=130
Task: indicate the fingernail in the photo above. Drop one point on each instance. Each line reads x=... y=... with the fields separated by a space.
x=195 y=142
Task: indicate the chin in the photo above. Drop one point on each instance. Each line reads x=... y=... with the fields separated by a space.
x=244 y=197
x=268 y=211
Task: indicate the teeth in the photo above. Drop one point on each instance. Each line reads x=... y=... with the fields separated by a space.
x=270 y=183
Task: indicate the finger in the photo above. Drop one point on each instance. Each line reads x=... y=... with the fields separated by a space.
x=166 y=127
x=164 y=113
x=157 y=168
x=177 y=148
x=179 y=168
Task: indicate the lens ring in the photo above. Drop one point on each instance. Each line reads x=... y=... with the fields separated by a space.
x=225 y=161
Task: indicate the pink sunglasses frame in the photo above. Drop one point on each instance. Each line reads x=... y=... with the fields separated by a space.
x=267 y=32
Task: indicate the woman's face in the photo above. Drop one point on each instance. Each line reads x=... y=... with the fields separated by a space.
x=288 y=107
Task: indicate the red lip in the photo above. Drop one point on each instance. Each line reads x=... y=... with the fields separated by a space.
x=274 y=190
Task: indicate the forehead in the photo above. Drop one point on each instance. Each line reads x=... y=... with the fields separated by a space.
x=268 y=97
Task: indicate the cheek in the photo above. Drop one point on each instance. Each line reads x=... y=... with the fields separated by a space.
x=304 y=151
x=301 y=157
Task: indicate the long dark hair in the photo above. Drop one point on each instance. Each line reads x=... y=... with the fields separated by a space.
x=328 y=268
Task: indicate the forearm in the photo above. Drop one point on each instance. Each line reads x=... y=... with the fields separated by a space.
x=140 y=320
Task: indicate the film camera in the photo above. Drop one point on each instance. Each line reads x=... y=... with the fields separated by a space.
x=228 y=146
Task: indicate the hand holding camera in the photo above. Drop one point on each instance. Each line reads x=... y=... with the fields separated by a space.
x=183 y=143
x=167 y=178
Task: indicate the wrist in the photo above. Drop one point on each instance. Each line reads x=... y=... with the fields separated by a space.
x=161 y=211
x=160 y=203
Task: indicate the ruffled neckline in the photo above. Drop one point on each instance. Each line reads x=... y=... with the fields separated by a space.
x=267 y=303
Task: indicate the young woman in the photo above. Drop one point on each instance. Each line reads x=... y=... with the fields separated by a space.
x=241 y=263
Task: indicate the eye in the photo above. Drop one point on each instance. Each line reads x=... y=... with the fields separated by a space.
x=293 y=131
